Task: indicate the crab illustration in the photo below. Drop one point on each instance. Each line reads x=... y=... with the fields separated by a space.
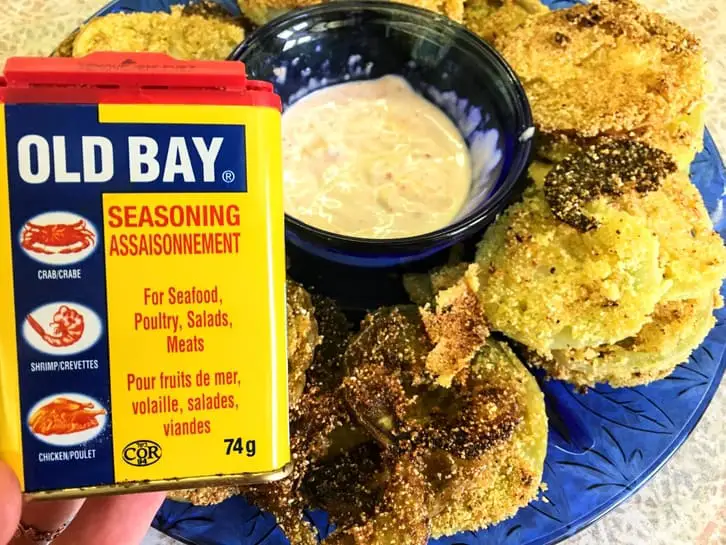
x=57 y=238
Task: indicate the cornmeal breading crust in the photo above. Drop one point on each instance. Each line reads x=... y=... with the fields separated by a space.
x=492 y=19
x=550 y=286
x=611 y=68
x=181 y=35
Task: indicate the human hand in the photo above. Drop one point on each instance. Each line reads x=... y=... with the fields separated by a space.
x=115 y=520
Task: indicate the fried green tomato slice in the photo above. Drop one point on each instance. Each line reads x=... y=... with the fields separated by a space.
x=611 y=68
x=495 y=486
x=128 y=32
x=482 y=438
x=551 y=286
x=187 y=36
x=678 y=327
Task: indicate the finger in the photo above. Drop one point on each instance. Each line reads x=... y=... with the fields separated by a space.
x=10 y=503
x=48 y=516
x=113 y=520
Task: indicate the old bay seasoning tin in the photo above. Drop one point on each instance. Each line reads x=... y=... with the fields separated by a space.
x=142 y=338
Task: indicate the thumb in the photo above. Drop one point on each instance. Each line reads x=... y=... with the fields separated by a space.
x=10 y=503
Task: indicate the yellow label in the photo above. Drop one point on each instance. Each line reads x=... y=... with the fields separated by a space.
x=196 y=332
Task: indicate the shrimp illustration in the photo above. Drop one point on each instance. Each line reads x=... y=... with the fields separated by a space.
x=67 y=327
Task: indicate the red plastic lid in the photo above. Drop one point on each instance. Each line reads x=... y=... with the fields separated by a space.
x=131 y=78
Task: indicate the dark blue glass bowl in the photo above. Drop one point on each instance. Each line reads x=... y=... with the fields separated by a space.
x=307 y=49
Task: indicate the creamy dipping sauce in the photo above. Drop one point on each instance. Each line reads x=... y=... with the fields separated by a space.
x=373 y=159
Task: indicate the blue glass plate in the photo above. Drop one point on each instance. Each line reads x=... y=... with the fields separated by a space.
x=603 y=446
